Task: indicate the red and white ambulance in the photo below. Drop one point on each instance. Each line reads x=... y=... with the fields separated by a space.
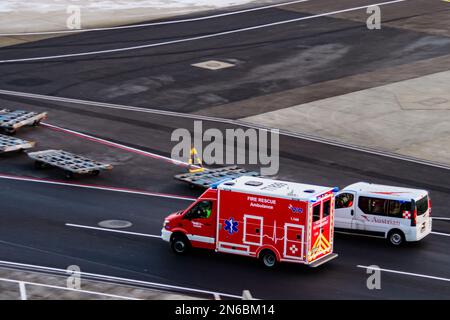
x=262 y=218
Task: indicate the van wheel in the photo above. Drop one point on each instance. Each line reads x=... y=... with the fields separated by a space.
x=396 y=238
x=179 y=244
x=268 y=258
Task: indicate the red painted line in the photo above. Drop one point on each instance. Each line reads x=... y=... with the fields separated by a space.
x=93 y=186
x=115 y=145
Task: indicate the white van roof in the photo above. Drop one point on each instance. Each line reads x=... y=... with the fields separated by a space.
x=274 y=188
x=388 y=192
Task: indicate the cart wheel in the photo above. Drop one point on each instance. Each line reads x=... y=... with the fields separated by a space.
x=39 y=165
x=68 y=174
x=95 y=173
x=179 y=244
x=36 y=123
x=268 y=258
x=10 y=132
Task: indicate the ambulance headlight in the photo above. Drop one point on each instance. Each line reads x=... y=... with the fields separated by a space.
x=166 y=222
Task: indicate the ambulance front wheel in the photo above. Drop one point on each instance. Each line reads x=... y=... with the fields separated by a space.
x=268 y=258
x=396 y=237
x=179 y=244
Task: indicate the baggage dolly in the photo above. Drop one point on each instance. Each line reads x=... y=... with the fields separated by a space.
x=11 y=121
x=208 y=177
x=10 y=144
x=71 y=163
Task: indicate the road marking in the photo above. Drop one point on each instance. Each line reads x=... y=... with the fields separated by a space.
x=116 y=145
x=440 y=234
x=207 y=36
x=228 y=121
x=120 y=280
x=113 y=230
x=152 y=24
x=96 y=187
x=359 y=234
x=440 y=218
x=405 y=273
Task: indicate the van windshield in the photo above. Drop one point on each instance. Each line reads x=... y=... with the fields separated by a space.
x=422 y=206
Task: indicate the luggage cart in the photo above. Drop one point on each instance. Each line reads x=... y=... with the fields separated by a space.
x=71 y=163
x=11 y=121
x=10 y=144
x=211 y=176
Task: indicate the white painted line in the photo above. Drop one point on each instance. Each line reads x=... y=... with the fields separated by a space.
x=228 y=121
x=440 y=218
x=208 y=36
x=113 y=230
x=440 y=234
x=121 y=280
x=152 y=24
x=405 y=273
x=23 y=293
x=95 y=187
x=359 y=234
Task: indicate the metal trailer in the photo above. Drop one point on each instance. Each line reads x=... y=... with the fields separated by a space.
x=11 y=121
x=9 y=144
x=211 y=176
x=71 y=163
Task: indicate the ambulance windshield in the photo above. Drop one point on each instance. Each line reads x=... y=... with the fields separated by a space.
x=201 y=210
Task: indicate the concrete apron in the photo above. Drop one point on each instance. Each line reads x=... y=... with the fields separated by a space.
x=410 y=117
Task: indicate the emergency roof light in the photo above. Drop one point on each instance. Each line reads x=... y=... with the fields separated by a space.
x=216 y=184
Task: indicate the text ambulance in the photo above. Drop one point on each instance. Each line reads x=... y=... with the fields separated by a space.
x=267 y=219
x=397 y=214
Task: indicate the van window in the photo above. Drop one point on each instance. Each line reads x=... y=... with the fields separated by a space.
x=422 y=206
x=397 y=208
x=316 y=213
x=373 y=206
x=326 y=208
x=344 y=200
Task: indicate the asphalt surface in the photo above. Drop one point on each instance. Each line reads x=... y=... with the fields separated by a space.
x=269 y=62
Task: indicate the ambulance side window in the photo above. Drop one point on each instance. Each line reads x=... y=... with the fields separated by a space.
x=397 y=208
x=344 y=200
x=201 y=210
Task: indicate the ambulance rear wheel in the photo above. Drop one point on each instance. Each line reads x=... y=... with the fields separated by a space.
x=268 y=258
x=179 y=244
x=396 y=238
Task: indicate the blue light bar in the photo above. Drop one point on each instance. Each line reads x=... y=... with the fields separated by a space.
x=216 y=184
